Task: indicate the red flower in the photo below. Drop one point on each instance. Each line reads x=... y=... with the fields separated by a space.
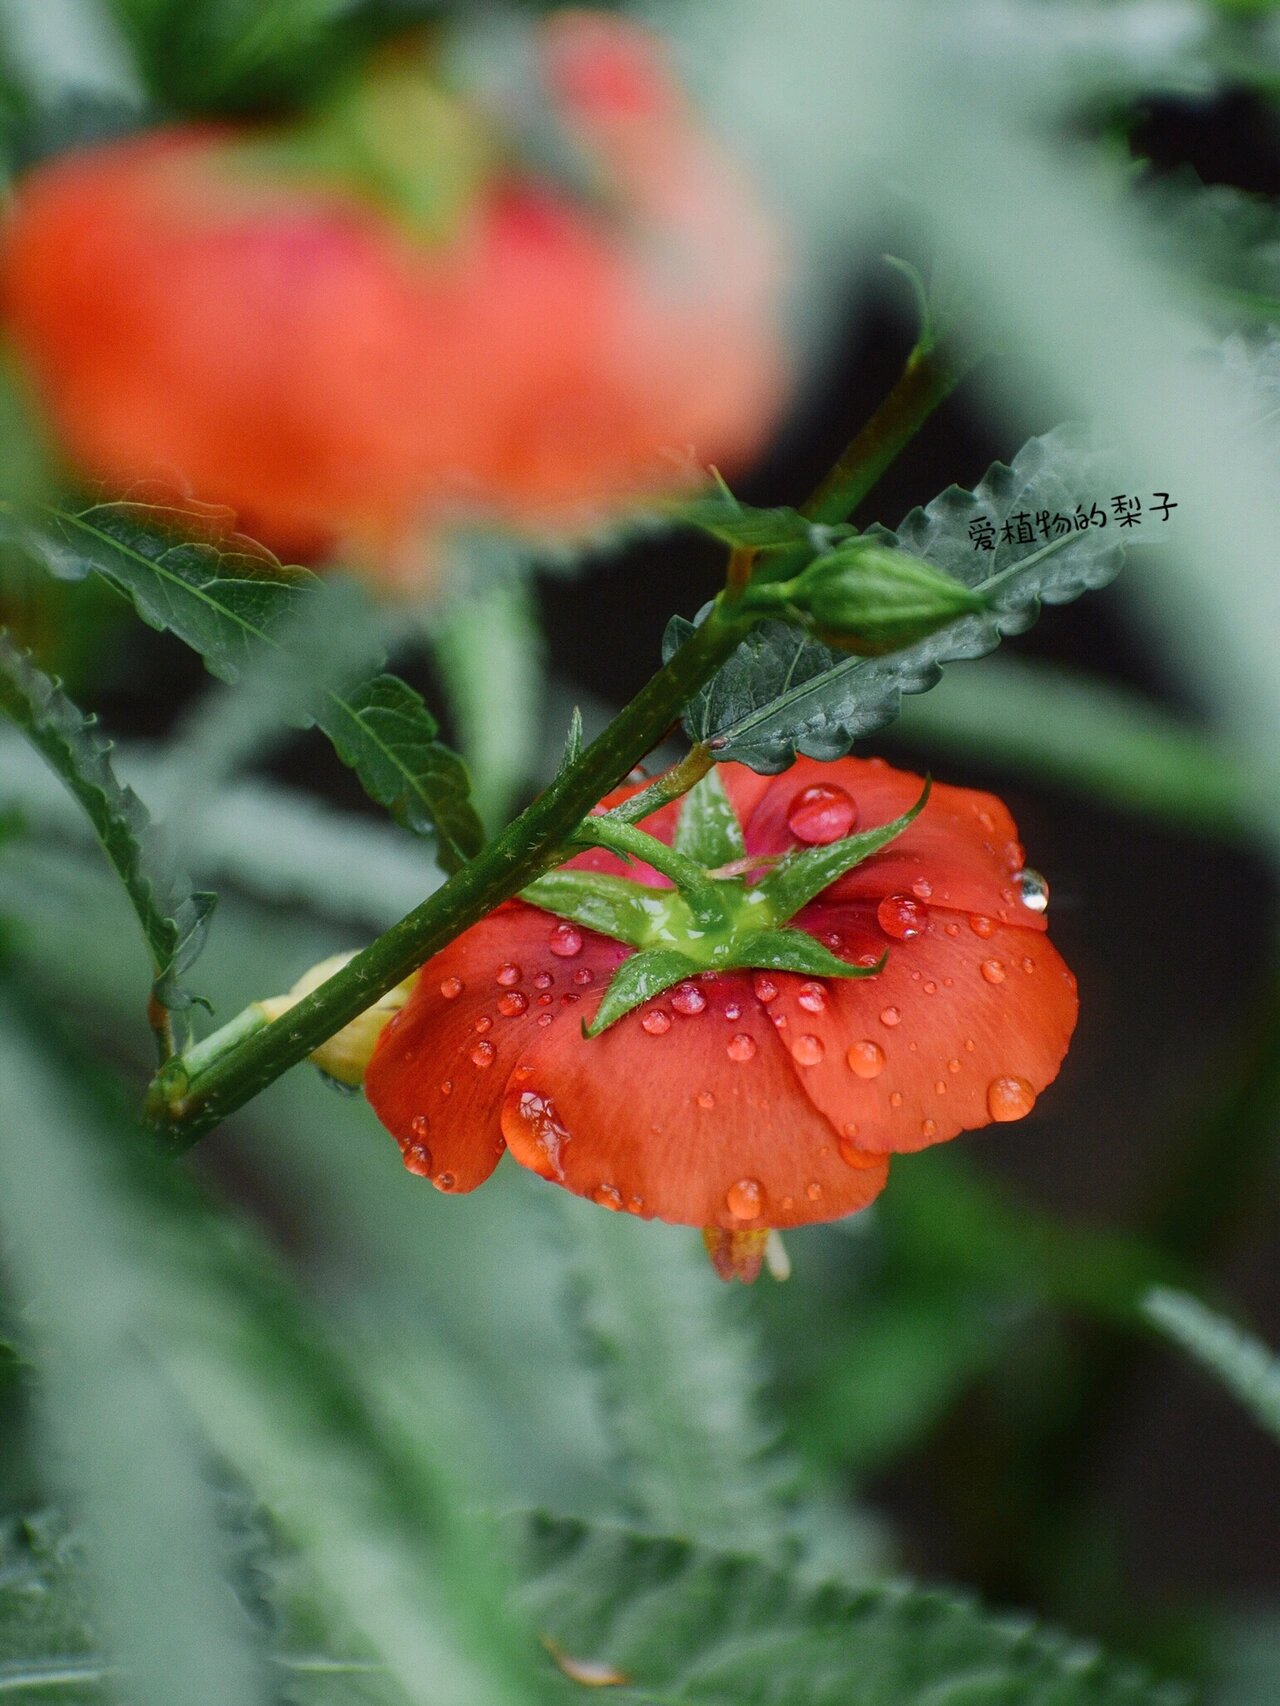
x=741 y=1101
x=261 y=328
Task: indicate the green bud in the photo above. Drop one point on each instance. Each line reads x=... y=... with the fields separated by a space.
x=869 y=598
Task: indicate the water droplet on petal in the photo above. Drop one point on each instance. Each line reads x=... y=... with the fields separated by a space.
x=895 y=1101
x=890 y=1016
x=706 y=1099
x=922 y=888
x=931 y=987
x=981 y=925
x=741 y=1047
x=608 y=1196
x=993 y=971
x=1009 y=1098
x=538 y=1138
x=419 y=1125
x=765 y=988
x=928 y=1128
x=821 y=814
x=543 y=980
x=522 y=1074
x=743 y=1200
x=953 y=1065
x=733 y=1010
x=866 y=1058
x=545 y=1018
x=688 y=999
x=852 y=1156
x=952 y=929
x=969 y=1044
x=901 y=917
x=508 y=975
x=482 y=1054
x=808 y=1050
x=444 y=1181
x=657 y=1022
x=940 y=1087
x=987 y=821
x=446 y=1089
x=512 y=1003
x=812 y=997
x=451 y=988
x=483 y=1023
x=813 y=1192
x=564 y=941
x=1033 y=890
x=417 y=1158
x=584 y=974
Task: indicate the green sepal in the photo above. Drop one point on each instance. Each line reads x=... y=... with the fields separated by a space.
x=614 y=906
x=707 y=830
x=803 y=875
x=697 y=889
x=638 y=979
x=795 y=950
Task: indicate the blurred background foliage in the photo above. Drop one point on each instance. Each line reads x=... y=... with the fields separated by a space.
x=273 y=1419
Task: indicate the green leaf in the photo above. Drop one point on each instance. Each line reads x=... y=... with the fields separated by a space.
x=640 y=977
x=174 y=919
x=783 y=693
x=805 y=872
x=707 y=829
x=796 y=950
x=702 y=1628
x=227 y=597
x=678 y=1378
x=1243 y=1364
x=614 y=906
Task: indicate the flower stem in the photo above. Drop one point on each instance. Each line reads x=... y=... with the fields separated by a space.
x=927 y=380
x=192 y=1096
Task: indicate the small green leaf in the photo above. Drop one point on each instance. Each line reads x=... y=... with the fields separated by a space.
x=614 y=906
x=1241 y=1362
x=227 y=597
x=796 y=950
x=738 y=525
x=707 y=829
x=174 y=918
x=804 y=873
x=637 y=979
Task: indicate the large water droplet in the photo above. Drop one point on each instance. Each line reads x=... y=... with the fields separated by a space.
x=538 y=1138
x=482 y=1054
x=812 y=997
x=1033 y=890
x=993 y=971
x=821 y=814
x=451 y=988
x=866 y=1058
x=512 y=1003
x=901 y=917
x=741 y=1047
x=508 y=975
x=743 y=1200
x=657 y=1022
x=688 y=999
x=564 y=941
x=417 y=1158
x=1009 y=1098
x=808 y=1050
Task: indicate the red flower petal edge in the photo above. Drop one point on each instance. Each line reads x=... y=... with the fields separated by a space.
x=743 y=1101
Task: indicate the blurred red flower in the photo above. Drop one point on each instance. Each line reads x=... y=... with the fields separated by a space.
x=354 y=358
x=736 y=1101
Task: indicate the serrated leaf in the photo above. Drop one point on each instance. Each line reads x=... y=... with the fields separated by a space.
x=678 y=1377
x=707 y=829
x=684 y=1623
x=174 y=918
x=226 y=598
x=639 y=978
x=783 y=693
x=1243 y=1364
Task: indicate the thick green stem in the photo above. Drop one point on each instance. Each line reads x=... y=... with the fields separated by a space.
x=926 y=381
x=529 y=845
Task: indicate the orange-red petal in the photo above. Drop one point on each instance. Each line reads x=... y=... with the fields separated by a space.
x=962 y=1027
x=691 y=1117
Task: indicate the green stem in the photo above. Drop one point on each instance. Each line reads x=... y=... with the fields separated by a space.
x=927 y=380
x=529 y=845
x=671 y=785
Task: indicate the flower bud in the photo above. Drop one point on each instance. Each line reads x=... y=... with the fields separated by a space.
x=870 y=598
x=346 y=1054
